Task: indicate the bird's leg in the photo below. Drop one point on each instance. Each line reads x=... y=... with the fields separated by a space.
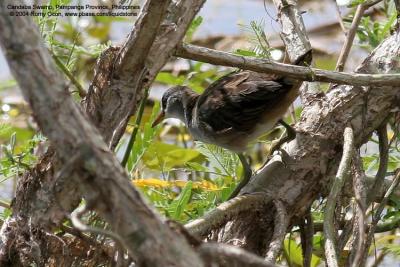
x=290 y=135
x=247 y=172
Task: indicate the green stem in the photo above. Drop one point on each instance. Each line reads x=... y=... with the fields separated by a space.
x=81 y=91
x=135 y=129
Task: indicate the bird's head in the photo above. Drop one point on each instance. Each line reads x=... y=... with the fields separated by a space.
x=172 y=104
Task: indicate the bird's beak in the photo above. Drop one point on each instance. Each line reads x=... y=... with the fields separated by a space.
x=159 y=119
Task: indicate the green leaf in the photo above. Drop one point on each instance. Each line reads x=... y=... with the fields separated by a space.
x=164 y=157
x=5 y=84
x=247 y=53
x=194 y=25
x=13 y=140
x=169 y=78
x=196 y=167
x=23 y=134
x=294 y=254
x=183 y=199
x=143 y=140
x=222 y=160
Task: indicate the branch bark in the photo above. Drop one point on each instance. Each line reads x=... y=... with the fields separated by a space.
x=101 y=178
x=281 y=225
x=342 y=173
x=109 y=102
x=266 y=66
x=225 y=212
x=230 y=256
x=360 y=195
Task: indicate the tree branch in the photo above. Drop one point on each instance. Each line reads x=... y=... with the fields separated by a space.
x=307 y=233
x=227 y=255
x=79 y=225
x=293 y=33
x=224 y=212
x=295 y=38
x=344 y=166
x=109 y=103
x=101 y=178
x=280 y=226
x=360 y=188
x=383 y=163
x=266 y=66
x=344 y=53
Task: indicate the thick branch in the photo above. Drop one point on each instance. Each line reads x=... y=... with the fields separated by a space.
x=294 y=36
x=110 y=101
x=126 y=87
x=226 y=255
x=225 y=212
x=293 y=31
x=102 y=180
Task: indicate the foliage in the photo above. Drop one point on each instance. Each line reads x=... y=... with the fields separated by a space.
x=143 y=141
x=372 y=32
x=260 y=45
x=294 y=255
x=192 y=28
x=18 y=158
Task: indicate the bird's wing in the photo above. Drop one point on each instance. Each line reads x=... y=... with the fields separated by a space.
x=239 y=101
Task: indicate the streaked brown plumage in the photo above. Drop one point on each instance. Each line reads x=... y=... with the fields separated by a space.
x=234 y=110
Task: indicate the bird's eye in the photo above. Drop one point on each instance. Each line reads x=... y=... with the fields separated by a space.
x=164 y=103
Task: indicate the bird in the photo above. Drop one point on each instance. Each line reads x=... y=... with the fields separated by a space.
x=233 y=111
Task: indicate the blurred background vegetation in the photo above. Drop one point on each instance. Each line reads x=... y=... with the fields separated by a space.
x=182 y=178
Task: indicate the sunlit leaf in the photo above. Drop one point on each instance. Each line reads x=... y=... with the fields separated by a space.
x=164 y=157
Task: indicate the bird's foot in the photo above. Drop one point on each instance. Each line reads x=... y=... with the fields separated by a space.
x=289 y=135
x=247 y=172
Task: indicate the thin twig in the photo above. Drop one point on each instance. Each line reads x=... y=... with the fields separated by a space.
x=135 y=129
x=224 y=212
x=4 y=204
x=71 y=77
x=298 y=72
x=292 y=112
x=377 y=216
x=383 y=163
x=381 y=227
x=307 y=233
x=379 y=259
x=339 y=16
x=329 y=228
x=347 y=230
x=344 y=53
x=78 y=224
x=281 y=224
x=359 y=187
